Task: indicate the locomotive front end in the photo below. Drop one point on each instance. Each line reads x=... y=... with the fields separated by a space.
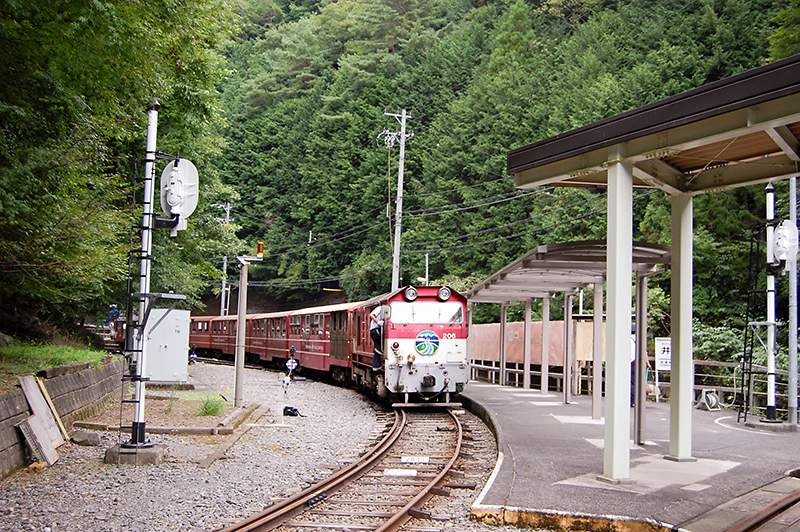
x=426 y=340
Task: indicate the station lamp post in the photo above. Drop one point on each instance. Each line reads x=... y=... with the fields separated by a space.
x=241 y=323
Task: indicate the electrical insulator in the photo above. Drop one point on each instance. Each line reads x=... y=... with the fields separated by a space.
x=260 y=250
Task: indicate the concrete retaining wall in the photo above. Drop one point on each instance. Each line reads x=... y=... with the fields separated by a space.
x=78 y=391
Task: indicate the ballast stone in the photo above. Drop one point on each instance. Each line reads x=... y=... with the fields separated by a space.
x=88 y=439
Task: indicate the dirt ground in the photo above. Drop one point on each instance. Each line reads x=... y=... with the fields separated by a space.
x=168 y=408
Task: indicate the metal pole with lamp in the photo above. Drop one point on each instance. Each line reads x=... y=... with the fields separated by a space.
x=241 y=323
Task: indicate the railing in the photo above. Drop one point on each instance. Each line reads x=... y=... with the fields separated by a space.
x=489 y=371
x=724 y=378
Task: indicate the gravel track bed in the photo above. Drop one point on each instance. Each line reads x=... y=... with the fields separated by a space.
x=266 y=464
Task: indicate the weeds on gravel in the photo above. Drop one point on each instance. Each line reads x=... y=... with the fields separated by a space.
x=211 y=405
x=173 y=394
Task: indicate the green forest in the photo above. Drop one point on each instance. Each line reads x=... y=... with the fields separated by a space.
x=285 y=107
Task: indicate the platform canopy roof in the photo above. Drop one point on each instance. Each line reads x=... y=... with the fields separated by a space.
x=738 y=131
x=551 y=269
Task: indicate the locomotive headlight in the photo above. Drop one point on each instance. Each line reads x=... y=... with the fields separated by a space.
x=411 y=293
x=444 y=293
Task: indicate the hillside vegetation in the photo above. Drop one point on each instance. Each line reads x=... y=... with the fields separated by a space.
x=306 y=105
x=282 y=105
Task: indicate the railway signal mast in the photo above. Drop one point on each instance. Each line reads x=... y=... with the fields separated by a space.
x=178 y=194
x=391 y=138
x=782 y=242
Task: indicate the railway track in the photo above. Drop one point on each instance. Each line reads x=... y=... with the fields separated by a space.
x=384 y=489
x=224 y=362
x=781 y=514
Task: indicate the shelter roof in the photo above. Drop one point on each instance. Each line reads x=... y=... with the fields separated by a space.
x=551 y=269
x=738 y=131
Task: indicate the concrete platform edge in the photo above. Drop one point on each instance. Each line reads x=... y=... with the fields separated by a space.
x=564 y=521
x=544 y=518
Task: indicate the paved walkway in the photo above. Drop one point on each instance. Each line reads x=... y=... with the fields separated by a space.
x=551 y=453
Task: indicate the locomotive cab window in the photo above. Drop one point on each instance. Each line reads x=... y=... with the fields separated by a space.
x=449 y=312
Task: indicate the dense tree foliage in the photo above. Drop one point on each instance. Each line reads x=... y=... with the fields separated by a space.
x=76 y=79
x=307 y=104
x=308 y=91
x=786 y=39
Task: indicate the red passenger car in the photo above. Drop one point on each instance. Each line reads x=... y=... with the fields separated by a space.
x=267 y=336
x=319 y=336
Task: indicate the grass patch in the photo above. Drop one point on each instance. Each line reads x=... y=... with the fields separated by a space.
x=211 y=405
x=18 y=360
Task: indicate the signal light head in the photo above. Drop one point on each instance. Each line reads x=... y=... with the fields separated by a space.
x=260 y=250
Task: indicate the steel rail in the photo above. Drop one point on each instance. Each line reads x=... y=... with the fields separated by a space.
x=403 y=515
x=280 y=513
x=765 y=514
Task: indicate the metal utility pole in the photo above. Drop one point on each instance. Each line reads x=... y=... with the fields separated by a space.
x=391 y=137
x=223 y=296
x=238 y=392
x=241 y=324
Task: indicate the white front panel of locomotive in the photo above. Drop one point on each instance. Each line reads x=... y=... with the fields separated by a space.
x=426 y=364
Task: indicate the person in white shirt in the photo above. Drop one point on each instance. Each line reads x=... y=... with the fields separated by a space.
x=376 y=332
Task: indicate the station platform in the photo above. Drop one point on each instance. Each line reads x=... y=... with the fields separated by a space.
x=550 y=455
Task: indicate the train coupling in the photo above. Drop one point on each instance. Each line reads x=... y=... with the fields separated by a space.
x=380 y=386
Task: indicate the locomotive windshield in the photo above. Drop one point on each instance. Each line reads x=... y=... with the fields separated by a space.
x=427 y=312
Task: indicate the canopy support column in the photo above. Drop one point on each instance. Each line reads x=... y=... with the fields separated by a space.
x=470 y=354
x=545 y=384
x=616 y=452
x=503 y=319
x=569 y=364
x=641 y=358
x=597 y=353
x=682 y=372
x=526 y=338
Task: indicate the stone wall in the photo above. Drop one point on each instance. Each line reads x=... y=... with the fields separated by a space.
x=78 y=391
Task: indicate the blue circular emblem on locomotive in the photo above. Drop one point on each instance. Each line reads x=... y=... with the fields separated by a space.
x=426 y=343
